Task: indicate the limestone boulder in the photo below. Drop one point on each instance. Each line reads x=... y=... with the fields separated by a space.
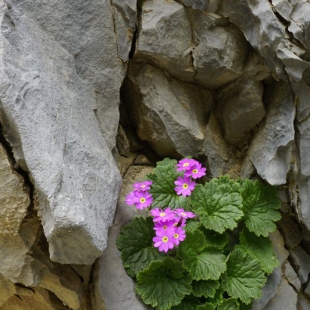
x=240 y=108
x=124 y=14
x=165 y=38
x=271 y=148
x=209 y=5
x=221 y=158
x=169 y=115
x=220 y=52
x=7 y=290
x=57 y=91
x=14 y=197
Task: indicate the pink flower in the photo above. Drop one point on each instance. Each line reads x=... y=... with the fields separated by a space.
x=185 y=164
x=184 y=186
x=142 y=200
x=164 y=225
x=196 y=171
x=163 y=240
x=184 y=214
x=143 y=186
x=162 y=215
x=130 y=198
x=178 y=235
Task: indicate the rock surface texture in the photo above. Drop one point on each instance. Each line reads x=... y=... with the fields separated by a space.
x=95 y=91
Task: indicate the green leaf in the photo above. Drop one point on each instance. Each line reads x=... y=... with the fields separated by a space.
x=260 y=204
x=229 y=304
x=206 y=306
x=202 y=263
x=215 y=239
x=188 y=303
x=244 y=278
x=192 y=224
x=205 y=288
x=135 y=243
x=261 y=248
x=218 y=205
x=162 y=189
x=163 y=284
x=243 y=306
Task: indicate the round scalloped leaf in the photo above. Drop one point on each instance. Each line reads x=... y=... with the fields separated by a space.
x=206 y=306
x=261 y=248
x=162 y=189
x=135 y=243
x=244 y=278
x=188 y=303
x=163 y=284
x=260 y=204
x=218 y=205
x=215 y=239
x=205 y=288
x=229 y=304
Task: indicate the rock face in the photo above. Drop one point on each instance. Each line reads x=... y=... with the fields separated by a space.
x=224 y=81
x=49 y=107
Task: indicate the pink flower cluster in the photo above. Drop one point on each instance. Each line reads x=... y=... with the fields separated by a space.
x=140 y=197
x=168 y=225
x=192 y=170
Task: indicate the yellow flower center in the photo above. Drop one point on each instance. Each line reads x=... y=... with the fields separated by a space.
x=185 y=165
x=165 y=227
x=183 y=214
x=164 y=239
x=162 y=214
x=185 y=186
x=142 y=200
x=142 y=186
x=195 y=171
x=176 y=236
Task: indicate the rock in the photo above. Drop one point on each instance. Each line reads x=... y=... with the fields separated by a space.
x=291 y=276
x=113 y=288
x=279 y=247
x=36 y=299
x=7 y=290
x=125 y=14
x=255 y=67
x=271 y=148
x=303 y=302
x=285 y=298
x=54 y=105
x=269 y=290
x=307 y=290
x=220 y=156
x=290 y=231
x=165 y=38
x=303 y=203
x=301 y=260
x=122 y=142
x=221 y=50
x=17 y=264
x=302 y=93
x=168 y=114
x=14 y=197
x=241 y=108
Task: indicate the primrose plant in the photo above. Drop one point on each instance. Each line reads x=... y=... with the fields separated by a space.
x=204 y=245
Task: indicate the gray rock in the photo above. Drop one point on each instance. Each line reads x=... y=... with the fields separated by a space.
x=302 y=93
x=285 y=298
x=165 y=38
x=14 y=197
x=291 y=276
x=271 y=148
x=125 y=14
x=302 y=260
x=241 y=108
x=208 y=5
x=220 y=156
x=307 y=290
x=221 y=50
x=303 y=210
x=49 y=76
x=113 y=288
x=168 y=114
x=303 y=302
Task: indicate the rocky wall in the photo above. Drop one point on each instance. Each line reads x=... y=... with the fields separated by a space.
x=93 y=93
